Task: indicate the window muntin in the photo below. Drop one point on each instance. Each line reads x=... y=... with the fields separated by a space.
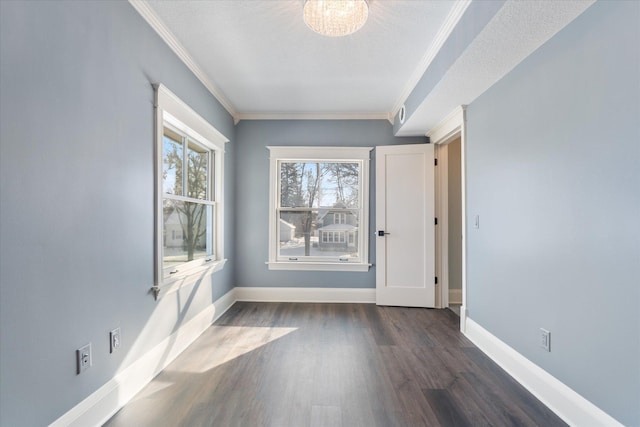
x=320 y=197
x=189 y=163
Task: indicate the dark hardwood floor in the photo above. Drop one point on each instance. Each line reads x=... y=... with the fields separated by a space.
x=286 y=364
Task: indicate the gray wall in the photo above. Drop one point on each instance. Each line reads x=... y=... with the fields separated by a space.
x=554 y=172
x=252 y=177
x=455 y=214
x=476 y=16
x=76 y=199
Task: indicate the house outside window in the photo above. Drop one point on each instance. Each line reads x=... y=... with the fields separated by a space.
x=189 y=202
x=319 y=208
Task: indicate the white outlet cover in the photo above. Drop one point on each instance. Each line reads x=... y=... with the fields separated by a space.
x=115 y=340
x=545 y=339
x=83 y=358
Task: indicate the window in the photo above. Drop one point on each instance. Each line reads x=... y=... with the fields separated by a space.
x=334 y=237
x=189 y=165
x=321 y=195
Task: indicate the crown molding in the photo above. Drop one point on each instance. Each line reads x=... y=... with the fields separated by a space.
x=143 y=8
x=438 y=41
x=448 y=126
x=313 y=116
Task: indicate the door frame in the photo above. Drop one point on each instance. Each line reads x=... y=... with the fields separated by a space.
x=450 y=128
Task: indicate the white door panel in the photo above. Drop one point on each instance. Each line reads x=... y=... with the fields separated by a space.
x=405 y=263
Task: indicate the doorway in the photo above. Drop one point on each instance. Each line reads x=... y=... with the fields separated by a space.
x=448 y=138
x=452 y=224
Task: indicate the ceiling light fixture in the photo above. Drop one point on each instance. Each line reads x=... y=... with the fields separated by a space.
x=335 y=18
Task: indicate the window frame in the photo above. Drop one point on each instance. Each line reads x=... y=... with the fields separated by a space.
x=172 y=111
x=278 y=154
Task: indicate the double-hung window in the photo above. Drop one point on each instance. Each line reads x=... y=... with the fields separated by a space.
x=189 y=161
x=319 y=208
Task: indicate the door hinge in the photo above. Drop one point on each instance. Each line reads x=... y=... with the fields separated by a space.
x=436 y=221
x=435 y=162
x=436 y=280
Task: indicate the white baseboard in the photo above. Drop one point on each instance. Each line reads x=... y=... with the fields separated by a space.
x=341 y=295
x=574 y=409
x=101 y=405
x=455 y=296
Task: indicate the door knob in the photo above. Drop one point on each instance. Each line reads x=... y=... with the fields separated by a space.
x=382 y=233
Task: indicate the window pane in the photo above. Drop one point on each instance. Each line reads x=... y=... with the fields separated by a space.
x=198 y=171
x=319 y=185
x=341 y=184
x=171 y=163
x=188 y=233
x=315 y=234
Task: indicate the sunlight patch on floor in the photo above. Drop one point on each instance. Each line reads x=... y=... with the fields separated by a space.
x=152 y=388
x=226 y=343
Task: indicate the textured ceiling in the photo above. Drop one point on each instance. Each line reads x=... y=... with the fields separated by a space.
x=264 y=59
x=518 y=29
x=261 y=61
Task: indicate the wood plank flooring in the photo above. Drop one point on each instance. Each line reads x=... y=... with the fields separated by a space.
x=332 y=365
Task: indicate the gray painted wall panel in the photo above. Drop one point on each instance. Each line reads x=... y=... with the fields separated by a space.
x=76 y=199
x=477 y=15
x=553 y=171
x=252 y=177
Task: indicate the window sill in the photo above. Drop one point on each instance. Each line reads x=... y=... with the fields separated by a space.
x=188 y=278
x=318 y=266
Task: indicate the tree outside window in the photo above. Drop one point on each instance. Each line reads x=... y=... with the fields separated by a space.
x=320 y=206
x=187 y=202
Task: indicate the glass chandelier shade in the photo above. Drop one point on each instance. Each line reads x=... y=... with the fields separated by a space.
x=335 y=18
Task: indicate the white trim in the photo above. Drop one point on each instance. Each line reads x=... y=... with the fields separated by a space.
x=442 y=235
x=101 y=405
x=462 y=121
x=318 y=152
x=143 y=8
x=313 y=116
x=191 y=277
x=318 y=266
x=450 y=22
x=170 y=108
x=360 y=154
x=448 y=127
x=179 y=110
x=455 y=296
x=452 y=126
x=574 y=409
x=310 y=295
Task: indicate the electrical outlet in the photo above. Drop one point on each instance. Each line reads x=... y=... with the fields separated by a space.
x=114 y=340
x=545 y=339
x=83 y=358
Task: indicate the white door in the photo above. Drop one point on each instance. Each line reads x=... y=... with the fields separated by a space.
x=405 y=238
